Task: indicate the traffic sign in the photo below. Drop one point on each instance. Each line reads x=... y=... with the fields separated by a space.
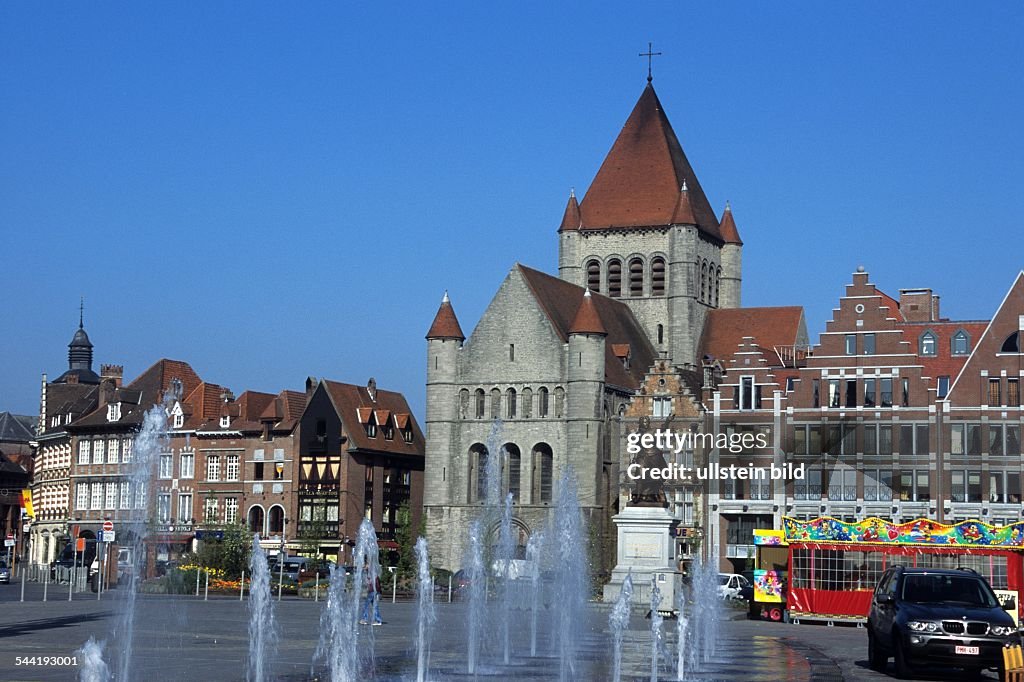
x=107 y=536
x=9 y=542
x=108 y=526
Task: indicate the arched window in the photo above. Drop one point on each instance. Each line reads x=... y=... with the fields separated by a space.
x=276 y=518
x=927 y=343
x=704 y=281
x=658 y=277
x=478 y=472
x=527 y=403
x=256 y=520
x=559 y=401
x=615 y=278
x=661 y=334
x=481 y=403
x=961 y=344
x=718 y=284
x=495 y=403
x=636 y=278
x=463 y=403
x=1011 y=344
x=542 y=396
x=510 y=403
x=543 y=472
x=515 y=462
x=594 y=275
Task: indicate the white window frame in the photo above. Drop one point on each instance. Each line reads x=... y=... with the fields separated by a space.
x=187 y=465
x=213 y=468
x=166 y=463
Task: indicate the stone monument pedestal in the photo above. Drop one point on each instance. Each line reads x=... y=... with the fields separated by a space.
x=645 y=550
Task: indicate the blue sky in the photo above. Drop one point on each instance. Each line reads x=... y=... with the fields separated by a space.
x=270 y=192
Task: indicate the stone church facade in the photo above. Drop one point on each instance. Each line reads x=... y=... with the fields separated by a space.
x=559 y=361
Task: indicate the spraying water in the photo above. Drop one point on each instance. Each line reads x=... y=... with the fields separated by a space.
x=534 y=551
x=680 y=637
x=367 y=574
x=262 y=628
x=493 y=466
x=506 y=552
x=656 y=635
x=92 y=667
x=141 y=461
x=571 y=574
x=618 y=621
x=425 y=615
x=477 y=595
x=337 y=645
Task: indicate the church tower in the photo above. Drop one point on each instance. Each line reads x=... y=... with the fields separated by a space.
x=645 y=233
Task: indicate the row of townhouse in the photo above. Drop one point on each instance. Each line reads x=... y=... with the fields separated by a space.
x=300 y=468
x=896 y=413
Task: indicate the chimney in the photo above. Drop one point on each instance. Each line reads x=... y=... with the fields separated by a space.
x=113 y=372
x=371 y=388
x=918 y=305
x=311 y=384
x=108 y=388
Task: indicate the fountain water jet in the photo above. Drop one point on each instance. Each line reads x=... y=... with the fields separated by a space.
x=262 y=627
x=505 y=554
x=425 y=615
x=680 y=637
x=618 y=621
x=656 y=635
x=534 y=551
x=477 y=595
x=571 y=574
x=92 y=668
x=337 y=632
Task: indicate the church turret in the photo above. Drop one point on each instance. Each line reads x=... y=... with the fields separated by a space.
x=732 y=261
x=444 y=342
x=568 y=247
x=587 y=338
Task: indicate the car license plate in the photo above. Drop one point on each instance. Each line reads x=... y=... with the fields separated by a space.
x=969 y=650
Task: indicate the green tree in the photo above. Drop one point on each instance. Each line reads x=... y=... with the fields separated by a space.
x=235 y=549
x=311 y=537
x=405 y=536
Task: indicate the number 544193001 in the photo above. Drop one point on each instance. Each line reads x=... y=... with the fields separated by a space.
x=46 y=660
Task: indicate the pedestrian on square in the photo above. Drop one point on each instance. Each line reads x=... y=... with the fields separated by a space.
x=372 y=598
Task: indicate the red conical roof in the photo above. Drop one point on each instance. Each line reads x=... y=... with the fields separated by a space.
x=728 y=227
x=571 y=218
x=446 y=325
x=638 y=183
x=587 y=320
x=683 y=213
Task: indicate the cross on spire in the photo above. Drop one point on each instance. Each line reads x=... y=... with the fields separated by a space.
x=81 y=312
x=650 y=54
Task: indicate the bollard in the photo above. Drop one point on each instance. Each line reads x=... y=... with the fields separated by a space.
x=316 y=589
x=206 y=594
x=46 y=583
x=198 y=571
x=241 y=588
x=280 y=578
x=394 y=584
x=71 y=582
x=449 y=589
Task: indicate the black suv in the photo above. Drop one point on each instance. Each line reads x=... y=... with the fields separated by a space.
x=942 y=616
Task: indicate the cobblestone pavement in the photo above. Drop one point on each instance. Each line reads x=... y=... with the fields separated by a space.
x=181 y=638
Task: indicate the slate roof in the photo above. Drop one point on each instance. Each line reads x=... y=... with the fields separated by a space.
x=640 y=180
x=560 y=301
x=16 y=428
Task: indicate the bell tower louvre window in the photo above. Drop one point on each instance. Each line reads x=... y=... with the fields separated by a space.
x=658 y=277
x=594 y=276
x=636 y=278
x=615 y=278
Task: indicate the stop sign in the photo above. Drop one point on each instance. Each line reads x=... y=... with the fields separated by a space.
x=108 y=526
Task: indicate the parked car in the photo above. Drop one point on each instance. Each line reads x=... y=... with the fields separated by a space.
x=69 y=558
x=948 y=617
x=5 y=573
x=293 y=566
x=730 y=585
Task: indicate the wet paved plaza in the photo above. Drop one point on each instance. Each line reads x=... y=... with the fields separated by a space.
x=182 y=638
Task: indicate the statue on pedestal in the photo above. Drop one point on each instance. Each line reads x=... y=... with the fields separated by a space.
x=649 y=492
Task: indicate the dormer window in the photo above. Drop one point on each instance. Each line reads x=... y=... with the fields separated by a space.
x=113 y=412
x=177 y=416
x=927 y=343
x=407 y=434
x=371 y=428
x=225 y=422
x=961 y=343
x=179 y=421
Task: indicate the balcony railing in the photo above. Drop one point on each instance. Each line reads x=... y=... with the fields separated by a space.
x=793 y=356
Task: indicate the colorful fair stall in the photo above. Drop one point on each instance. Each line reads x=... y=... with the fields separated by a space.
x=770 y=563
x=834 y=566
